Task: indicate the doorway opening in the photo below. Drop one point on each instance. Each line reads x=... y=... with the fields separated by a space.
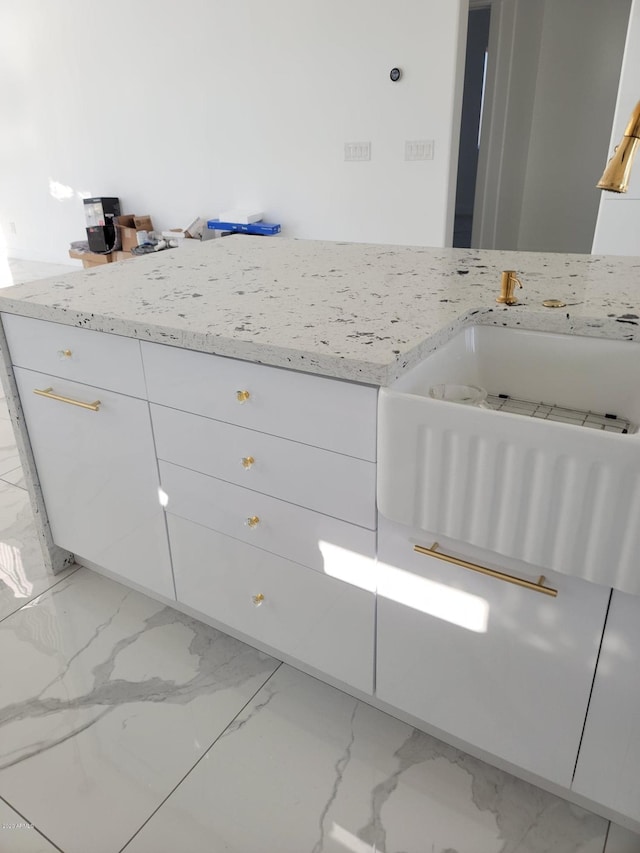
x=475 y=78
x=543 y=82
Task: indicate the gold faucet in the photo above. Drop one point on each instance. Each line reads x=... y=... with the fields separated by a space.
x=508 y=284
x=616 y=176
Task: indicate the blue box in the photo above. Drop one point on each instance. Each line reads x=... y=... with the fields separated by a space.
x=264 y=228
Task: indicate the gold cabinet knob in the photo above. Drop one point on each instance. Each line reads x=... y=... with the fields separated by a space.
x=252 y=521
x=257 y=599
x=247 y=462
x=64 y=353
x=242 y=396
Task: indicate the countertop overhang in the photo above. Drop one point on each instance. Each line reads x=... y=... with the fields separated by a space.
x=353 y=311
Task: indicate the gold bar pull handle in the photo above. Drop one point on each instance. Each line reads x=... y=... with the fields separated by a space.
x=48 y=392
x=493 y=573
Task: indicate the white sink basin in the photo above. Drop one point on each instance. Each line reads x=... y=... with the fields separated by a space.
x=558 y=495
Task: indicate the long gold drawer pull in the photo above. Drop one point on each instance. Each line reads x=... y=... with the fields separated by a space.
x=493 y=573
x=48 y=392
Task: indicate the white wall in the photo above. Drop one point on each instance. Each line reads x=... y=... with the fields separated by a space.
x=188 y=109
x=618 y=225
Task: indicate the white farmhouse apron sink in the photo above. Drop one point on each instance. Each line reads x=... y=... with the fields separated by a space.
x=552 y=477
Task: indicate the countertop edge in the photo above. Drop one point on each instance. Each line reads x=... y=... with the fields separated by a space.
x=559 y=321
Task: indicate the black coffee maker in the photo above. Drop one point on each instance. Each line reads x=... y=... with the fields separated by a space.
x=100 y=217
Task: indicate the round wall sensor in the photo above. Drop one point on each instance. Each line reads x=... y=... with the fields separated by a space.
x=395 y=74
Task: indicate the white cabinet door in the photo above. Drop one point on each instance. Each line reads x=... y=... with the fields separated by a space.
x=498 y=666
x=99 y=478
x=608 y=767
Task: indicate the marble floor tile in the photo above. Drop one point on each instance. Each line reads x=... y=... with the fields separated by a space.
x=15 y=478
x=9 y=459
x=23 y=574
x=305 y=767
x=21 y=271
x=18 y=835
x=107 y=700
x=621 y=840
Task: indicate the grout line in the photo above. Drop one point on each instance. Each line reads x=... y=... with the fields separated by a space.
x=14 y=468
x=26 y=820
x=593 y=683
x=42 y=592
x=206 y=752
x=9 y=483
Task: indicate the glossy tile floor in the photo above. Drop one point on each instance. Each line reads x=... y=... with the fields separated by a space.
x=126 y=726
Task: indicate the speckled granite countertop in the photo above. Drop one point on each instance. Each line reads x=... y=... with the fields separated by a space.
x=353 y=311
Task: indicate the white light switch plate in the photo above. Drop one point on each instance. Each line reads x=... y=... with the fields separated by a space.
x=357 y=151
x=419 y=149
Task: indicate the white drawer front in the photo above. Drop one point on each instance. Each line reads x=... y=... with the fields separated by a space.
x=82 y=355
x=327 y=482
x=328 y=413
x=318 y=620
x=499 y=666
x=315 y=540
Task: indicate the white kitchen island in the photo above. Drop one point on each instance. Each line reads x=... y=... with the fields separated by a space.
x=223 y=459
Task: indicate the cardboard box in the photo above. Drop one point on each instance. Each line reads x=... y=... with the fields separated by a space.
x=90 y=259
x=122 y=256
x=128 y=226
x=197 y=228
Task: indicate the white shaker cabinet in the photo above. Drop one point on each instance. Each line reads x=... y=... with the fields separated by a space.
x=501 y=667
x=608 y=770
x=99 y=478
x=270 y=482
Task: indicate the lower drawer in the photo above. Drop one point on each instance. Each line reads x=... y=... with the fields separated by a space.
x=318 y=541
x=316 y=619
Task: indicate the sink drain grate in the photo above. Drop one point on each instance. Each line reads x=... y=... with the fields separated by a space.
x=592 y=420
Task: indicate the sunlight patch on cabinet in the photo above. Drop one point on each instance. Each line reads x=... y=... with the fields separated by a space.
x=437 y=599
x=349 y=566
